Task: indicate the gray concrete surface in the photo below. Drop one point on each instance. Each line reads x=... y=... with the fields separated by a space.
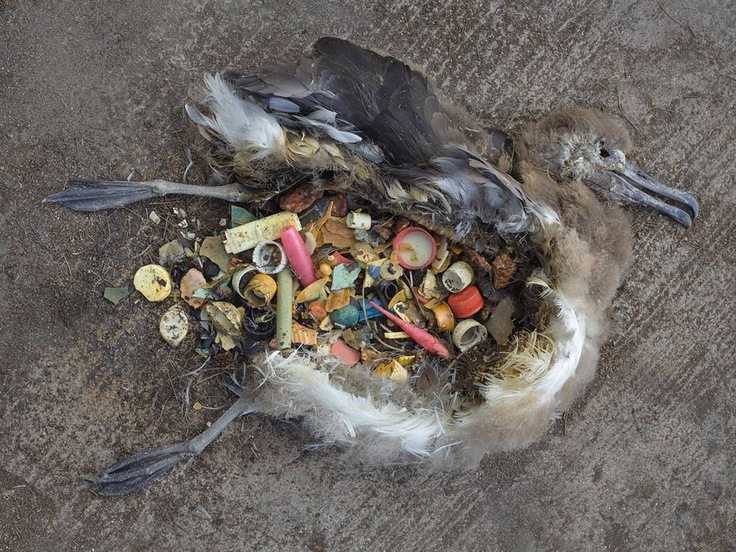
x=95 y=89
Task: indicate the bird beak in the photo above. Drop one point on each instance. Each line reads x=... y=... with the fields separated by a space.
x=631 y=184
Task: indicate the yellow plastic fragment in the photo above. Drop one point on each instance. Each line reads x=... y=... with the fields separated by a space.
x=396 y=335
x=363 y=253
x=443 y=315
x=225 y=317
x=338 y=299
x=429 y=287
x=326 y=324
x=302 y=334
x=259 y=291
x=391 y=270
x=392 y=370
x=315 y=290
x=153 y=281
x=227 y=320
x=400 y=297
x=284 y=304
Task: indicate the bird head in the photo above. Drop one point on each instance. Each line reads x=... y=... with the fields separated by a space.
x=588 y=146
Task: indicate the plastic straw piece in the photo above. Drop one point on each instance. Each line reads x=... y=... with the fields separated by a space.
x=284 y=301
x=296 y=252
x=422 y=337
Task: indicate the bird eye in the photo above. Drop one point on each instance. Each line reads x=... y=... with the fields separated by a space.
x=604 y=153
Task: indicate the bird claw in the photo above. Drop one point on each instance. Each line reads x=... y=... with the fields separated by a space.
x=138 y=471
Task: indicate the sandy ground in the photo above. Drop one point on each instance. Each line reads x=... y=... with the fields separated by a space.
x=96 y=88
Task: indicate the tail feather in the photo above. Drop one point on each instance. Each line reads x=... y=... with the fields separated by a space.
x=243 y=125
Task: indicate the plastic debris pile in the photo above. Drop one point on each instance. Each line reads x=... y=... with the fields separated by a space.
x=354 y=284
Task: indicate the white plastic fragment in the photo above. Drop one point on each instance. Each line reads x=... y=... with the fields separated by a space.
x=358 y=221
x=247 y=236
x=174 y=325
x=213 y=249
x=171 y=253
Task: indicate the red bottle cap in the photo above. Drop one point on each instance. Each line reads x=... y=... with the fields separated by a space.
x=466 y=303
x=415 y=248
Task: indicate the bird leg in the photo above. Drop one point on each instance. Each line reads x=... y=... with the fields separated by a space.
x=95 y=195
x=140 y=470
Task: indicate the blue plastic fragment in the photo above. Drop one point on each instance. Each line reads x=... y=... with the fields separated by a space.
x=374 y=271
x=370 y=310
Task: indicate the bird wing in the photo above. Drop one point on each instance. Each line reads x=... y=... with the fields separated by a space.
x=387 y=112
x=389 y=103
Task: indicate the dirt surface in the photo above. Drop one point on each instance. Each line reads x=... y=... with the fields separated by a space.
x=96 y=89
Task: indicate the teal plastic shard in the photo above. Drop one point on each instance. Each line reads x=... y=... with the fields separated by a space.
x=344 y=276
x=345 y=317
x=239 y=216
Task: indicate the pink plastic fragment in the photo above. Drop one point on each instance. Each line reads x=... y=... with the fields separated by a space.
x=299 y=258
x=345 y=353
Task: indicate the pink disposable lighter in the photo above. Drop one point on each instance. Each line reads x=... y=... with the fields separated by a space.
x=298 y=256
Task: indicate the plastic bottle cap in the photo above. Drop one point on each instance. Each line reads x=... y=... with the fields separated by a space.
x=269 y=257
x=467 y=334
x=415 y=248
x=466 y=303
x=457 y=277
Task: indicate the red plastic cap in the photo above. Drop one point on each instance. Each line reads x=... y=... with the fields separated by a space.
x=415 y=248
x=466 y=303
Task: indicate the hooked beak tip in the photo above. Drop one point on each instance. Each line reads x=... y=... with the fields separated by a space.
x=633 y=185
x=693 y=204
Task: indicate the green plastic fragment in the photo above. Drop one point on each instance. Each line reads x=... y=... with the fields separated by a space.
x=116 y=294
